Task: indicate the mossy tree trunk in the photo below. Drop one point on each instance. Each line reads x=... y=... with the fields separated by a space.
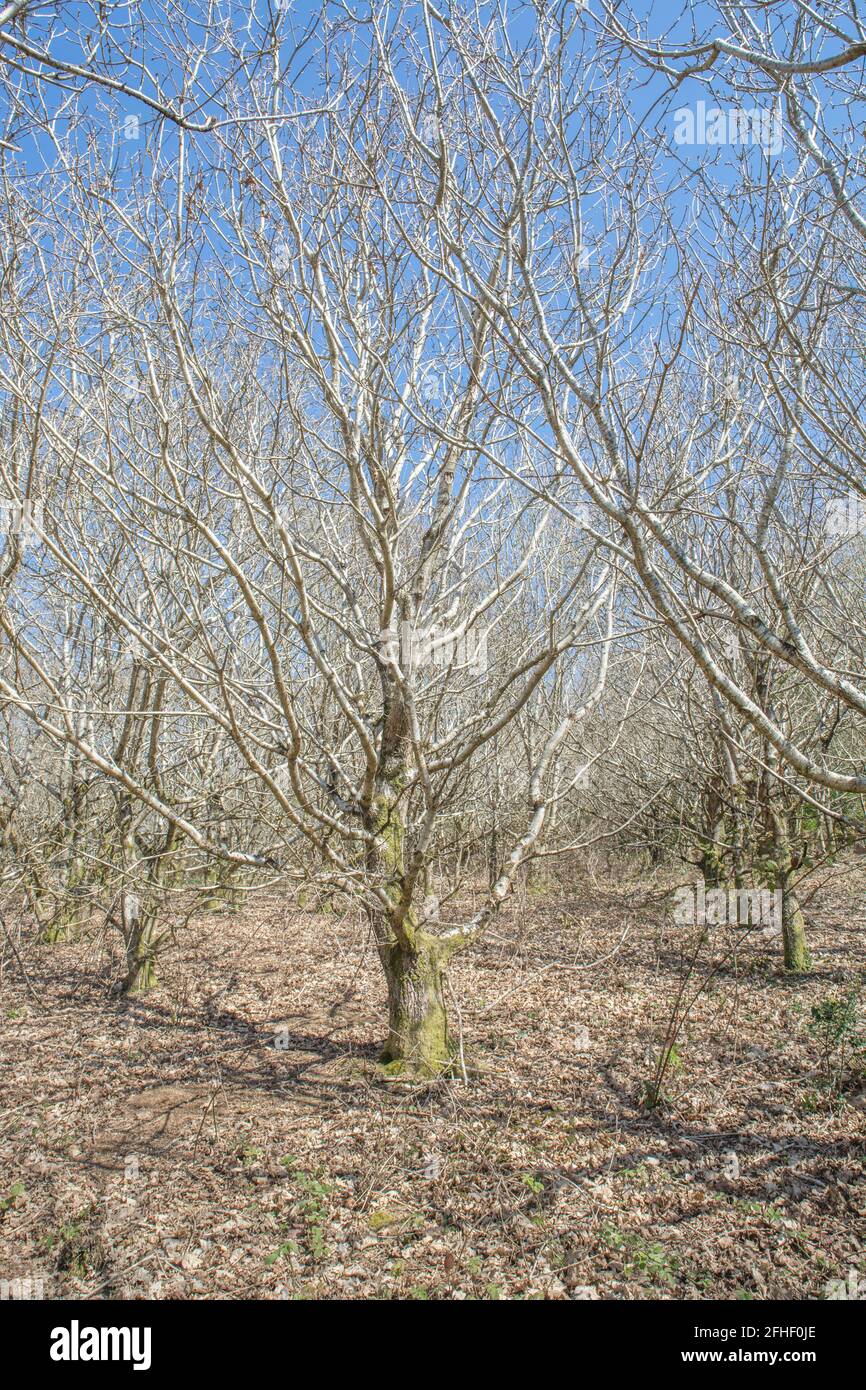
x=413 y=959
x=796 y=955
x=144 y=873
x=796 y=952
x=418 y=1042
x=139 y=933
x=711 y=838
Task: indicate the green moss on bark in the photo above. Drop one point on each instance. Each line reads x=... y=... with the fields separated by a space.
x=418 y=1040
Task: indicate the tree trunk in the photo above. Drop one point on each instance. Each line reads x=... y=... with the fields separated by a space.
x=413 y=959
x=796 y=952
x=712 y=858
x=418 y=1042
x=139 y=933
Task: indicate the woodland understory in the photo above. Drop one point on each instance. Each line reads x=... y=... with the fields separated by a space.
x=432 y=649
x=231 y=1135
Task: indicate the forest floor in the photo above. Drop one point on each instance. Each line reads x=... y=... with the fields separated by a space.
x=230 y=1135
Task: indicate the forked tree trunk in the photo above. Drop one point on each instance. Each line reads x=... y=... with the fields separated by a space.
x=418 y=1042
x=139 y=934
x=712 y=859
x=797 y=959
x=413 y=959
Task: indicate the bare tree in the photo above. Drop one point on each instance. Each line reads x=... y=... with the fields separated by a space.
x=317 y=562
